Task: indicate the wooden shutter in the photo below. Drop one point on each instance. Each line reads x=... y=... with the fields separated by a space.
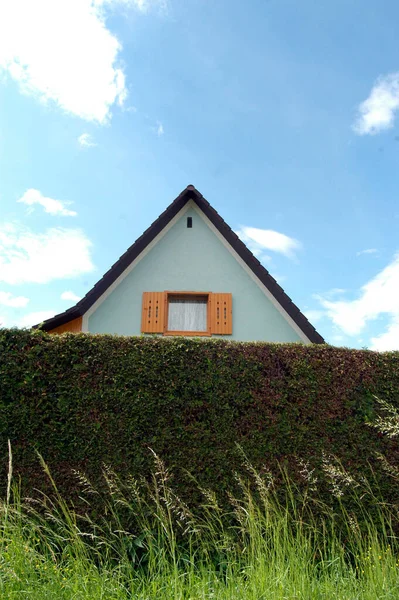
x=221 y=314
x=153 y=312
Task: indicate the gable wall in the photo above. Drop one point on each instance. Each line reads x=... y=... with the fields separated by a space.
x=192 y=260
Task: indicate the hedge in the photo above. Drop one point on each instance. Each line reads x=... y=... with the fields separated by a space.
x=84 y=400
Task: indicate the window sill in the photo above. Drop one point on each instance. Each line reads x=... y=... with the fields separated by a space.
x=189 y=333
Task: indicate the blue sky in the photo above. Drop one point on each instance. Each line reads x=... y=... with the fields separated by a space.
x=282 y=113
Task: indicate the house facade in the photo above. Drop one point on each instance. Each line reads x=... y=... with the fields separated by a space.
x=188 y=274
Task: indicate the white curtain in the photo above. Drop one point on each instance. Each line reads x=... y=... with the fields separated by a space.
x=186 y=314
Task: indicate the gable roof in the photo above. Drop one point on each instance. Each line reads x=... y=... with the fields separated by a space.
x=190 y=193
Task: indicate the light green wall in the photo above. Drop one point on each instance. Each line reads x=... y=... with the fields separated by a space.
x=192 y=260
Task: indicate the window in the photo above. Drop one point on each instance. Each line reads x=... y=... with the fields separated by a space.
x=187 y=313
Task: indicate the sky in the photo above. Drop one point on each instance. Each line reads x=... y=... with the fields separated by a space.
x=283 y=114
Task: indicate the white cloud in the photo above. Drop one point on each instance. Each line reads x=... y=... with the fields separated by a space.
x=367 y=251
x=50 y=205
x=377 y=112
x=388 y=340
x=8 y=299
x=70 y=296
x=378 y=297
x=61 y=51
x=259 y=240
x=86 y=140
x=34 y=318
x=27 y=257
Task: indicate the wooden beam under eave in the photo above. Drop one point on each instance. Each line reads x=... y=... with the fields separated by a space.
x=74 y=326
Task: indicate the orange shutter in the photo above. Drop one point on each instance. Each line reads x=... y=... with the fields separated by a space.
x=221 y=313
x=73 y=326
x=153 y=312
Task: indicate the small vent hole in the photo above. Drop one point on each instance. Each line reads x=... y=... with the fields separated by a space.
x=189 y=222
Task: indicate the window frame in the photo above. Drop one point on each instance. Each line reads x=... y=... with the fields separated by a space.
x=207 y=332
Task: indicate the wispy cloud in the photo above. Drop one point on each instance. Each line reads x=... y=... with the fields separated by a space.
x=159 y=130
x=314 y=315
x=8 y=299
x=70 y=296
x=259 y=240
x=142 y=6
x=34 y=318
x=279 y=278
x=28 y=257
x=86 y=140
x=377 y=112
x=367 y=251
x=50 y=205
x=333 y=293
x=377 y=297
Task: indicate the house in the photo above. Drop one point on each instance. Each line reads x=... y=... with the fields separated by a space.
x=188 y=274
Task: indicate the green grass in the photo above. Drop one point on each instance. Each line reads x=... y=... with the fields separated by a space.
x=149 y=544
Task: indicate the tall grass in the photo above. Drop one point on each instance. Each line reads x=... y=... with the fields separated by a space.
x=149 y=544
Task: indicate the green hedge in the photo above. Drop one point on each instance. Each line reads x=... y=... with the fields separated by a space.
x=84 y=400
